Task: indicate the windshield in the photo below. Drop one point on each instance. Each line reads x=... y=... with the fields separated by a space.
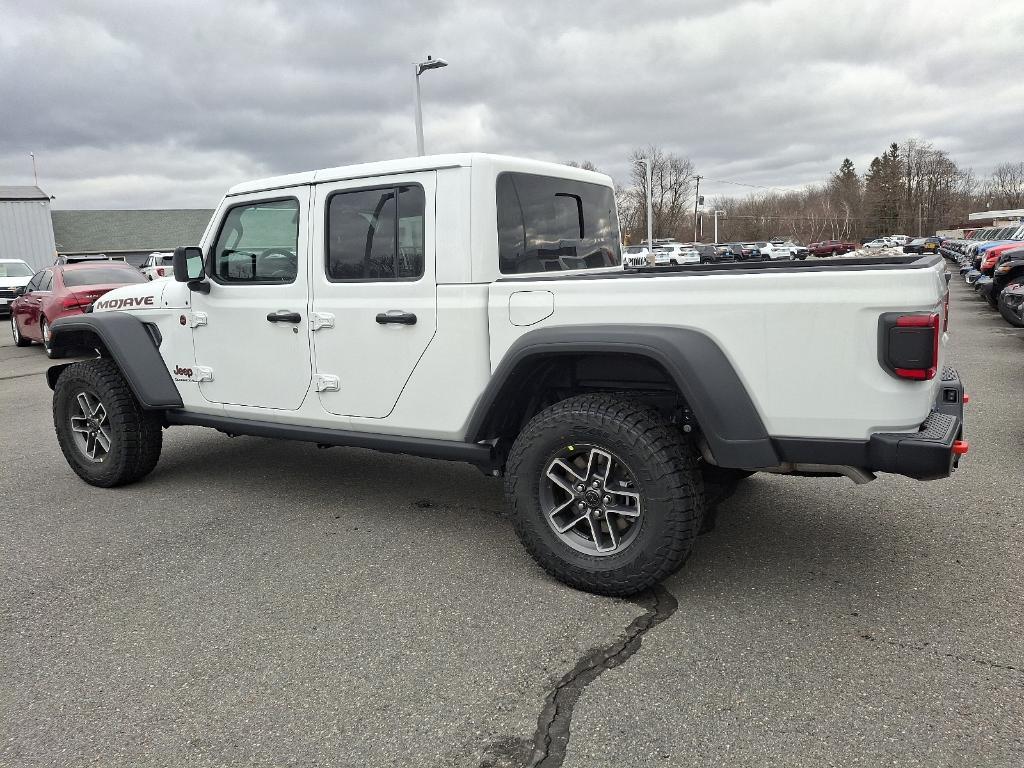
x=102 y=276
x=15 y=269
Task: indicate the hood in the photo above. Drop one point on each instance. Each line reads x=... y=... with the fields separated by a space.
x=14 y=282
x=146 y=295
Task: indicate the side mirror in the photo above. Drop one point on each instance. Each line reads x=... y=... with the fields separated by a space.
x=21 y=290
x=188 y=264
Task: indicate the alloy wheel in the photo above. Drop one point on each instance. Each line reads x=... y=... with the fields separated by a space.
x=589 y=498
x=90 y=426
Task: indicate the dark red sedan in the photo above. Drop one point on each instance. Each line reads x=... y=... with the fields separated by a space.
x=62 y=290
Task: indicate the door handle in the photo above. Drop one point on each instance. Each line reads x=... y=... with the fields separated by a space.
x=396 y=316
x=284 y=316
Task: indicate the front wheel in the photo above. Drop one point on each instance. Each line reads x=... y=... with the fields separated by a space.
x=605 y=494
x=105 y=435
x=19 y=340
x=1013 y=318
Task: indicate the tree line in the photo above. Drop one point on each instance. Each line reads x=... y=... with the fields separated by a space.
x=911 y=188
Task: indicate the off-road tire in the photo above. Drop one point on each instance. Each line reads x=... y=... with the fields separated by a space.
x=1009 y=315
x=19 y=340
x=136 y=434
x=664 y=464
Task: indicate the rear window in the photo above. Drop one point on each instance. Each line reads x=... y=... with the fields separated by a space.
x=547 y=224
x=102 y=276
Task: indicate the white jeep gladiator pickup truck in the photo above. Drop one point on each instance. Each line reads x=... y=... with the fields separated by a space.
x=474 y=308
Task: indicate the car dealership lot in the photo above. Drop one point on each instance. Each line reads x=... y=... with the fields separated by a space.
x=258 y=602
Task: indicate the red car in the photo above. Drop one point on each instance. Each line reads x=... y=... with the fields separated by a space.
x=62 y=290
x=831 y=247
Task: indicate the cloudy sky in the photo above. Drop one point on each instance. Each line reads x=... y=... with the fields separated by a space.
x=153 y=104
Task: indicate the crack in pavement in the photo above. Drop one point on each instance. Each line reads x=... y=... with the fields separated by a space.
x=553 y=725
x=925 y=647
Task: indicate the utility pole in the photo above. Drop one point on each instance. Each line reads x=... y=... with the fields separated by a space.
x=35 y=176
x=696 y=202
x=920 y=213
x=716 y=224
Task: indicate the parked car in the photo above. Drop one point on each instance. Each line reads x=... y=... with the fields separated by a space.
x=1009 y=268
x=14 y=274
x=831 y=247
x=158 y=265
x=675 y=254
x=60 y=291
x=777 y=249
x=610 y=418
x=879 y=242
x=1011 y=304
x=80 y=258
x=899 y=240
x=922 y=245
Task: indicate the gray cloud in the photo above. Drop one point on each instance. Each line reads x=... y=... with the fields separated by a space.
x=167 y=104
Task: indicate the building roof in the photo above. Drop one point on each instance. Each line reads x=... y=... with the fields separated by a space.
x=1016 y=213
x=22 y=193
x=112 y=231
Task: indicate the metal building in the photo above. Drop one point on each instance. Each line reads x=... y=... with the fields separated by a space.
x=26 y=230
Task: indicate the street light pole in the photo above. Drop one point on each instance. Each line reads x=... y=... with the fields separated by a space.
x=650 y=213
x=35 y=176
x=420 y=68
x=696 y=202
x=716 y=223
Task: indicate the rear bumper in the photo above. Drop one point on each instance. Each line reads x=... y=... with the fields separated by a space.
x=927 y=454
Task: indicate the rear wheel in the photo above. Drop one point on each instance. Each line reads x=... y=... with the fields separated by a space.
x=44 y=330
x=105 y=435
x=19 y=340
x=605 y=494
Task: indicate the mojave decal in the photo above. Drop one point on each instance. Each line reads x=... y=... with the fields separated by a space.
x=128 y=303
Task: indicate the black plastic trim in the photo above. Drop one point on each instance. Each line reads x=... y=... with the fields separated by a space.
x=130 y=345
x=479 y=454
x=707 y=380
x=925 y=261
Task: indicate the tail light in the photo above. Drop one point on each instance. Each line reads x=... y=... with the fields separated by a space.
x=945 y=310
x=909 y=344
x=70 y=302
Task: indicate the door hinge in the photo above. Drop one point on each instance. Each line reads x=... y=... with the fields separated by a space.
x=325 y=382
x=321 y=320
x=198 y=318
x=203 y=373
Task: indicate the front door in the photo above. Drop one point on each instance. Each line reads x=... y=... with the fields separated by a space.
x=252 y=329
x=374 y=290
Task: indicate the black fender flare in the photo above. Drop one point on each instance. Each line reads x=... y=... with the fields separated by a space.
x=732 y=426
x=128 y=343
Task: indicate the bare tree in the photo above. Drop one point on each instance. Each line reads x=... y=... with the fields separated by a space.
x=1005 y=188
x=672 y=178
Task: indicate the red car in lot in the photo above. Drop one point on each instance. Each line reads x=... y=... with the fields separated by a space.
x=62 y=290
x=831 y=247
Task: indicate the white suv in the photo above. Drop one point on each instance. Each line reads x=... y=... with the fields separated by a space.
x=158 y=265
x=669 y=254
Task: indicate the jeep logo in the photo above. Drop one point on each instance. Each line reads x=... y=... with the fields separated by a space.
x=179 y=371
x=132 y=301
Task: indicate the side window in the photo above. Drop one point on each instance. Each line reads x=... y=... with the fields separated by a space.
x=258 y=243
x=375 y=234
x=46 y=283
x=550 y=224
x=33 y=284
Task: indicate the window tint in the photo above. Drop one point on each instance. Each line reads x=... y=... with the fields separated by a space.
x=548 y=224
x=102 y=276
x=376 y=234
x=258 y=243
x=46 y=283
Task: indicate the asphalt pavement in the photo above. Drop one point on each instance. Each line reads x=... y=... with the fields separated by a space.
x=265 y=603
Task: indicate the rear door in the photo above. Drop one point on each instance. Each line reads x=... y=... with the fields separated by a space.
x=374 y=292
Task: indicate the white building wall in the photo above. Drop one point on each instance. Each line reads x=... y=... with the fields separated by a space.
x=26 y=232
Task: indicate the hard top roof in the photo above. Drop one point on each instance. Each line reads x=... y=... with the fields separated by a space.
x=414 y=164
